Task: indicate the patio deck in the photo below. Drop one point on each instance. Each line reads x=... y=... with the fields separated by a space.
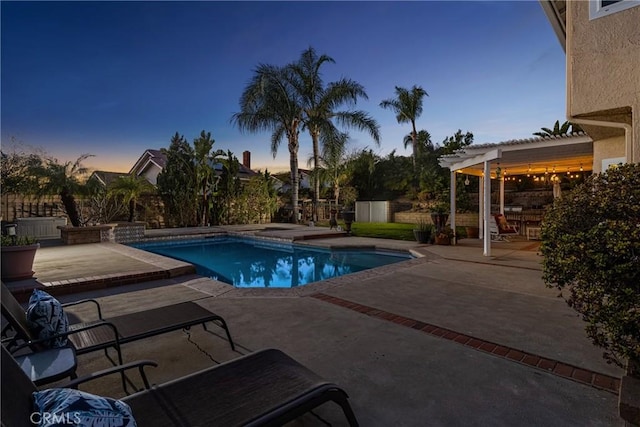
x=452 y=338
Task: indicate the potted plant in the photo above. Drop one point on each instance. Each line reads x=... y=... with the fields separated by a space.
x=18 y=253
x=439 y=215
x=423 y=231
x=444 y=236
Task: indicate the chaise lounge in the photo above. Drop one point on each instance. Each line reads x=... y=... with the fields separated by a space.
x=265 y=388
x=111 y=332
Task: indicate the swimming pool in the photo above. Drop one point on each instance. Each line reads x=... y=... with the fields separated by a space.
x=251 y=263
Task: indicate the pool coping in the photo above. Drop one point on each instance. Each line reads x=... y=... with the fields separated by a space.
x=156 y=267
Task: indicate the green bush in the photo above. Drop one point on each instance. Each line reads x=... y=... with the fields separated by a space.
x=591 y=248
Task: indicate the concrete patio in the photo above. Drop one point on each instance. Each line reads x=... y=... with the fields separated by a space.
x=451 y=338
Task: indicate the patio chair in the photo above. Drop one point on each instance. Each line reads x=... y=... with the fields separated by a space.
x=265 y=388
x=502 y=229
x=105 y=333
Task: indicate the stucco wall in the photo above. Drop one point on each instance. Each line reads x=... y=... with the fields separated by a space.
x=607 y=149
x=603 y=59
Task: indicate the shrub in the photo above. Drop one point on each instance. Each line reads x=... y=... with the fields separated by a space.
x=591 y=248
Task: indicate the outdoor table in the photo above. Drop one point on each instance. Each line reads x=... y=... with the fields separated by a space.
x=47 y=366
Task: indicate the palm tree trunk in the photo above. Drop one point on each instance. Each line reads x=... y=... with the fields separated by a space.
x=414 y=143
x=69 y=203
x=316 y=157
x=295 y=181
x=132 y=209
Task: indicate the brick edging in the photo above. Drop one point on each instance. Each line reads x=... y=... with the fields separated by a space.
x=555 y=367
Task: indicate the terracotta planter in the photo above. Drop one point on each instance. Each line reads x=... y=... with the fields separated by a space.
x=443 y=240
x=17 y=262
x=472 y=232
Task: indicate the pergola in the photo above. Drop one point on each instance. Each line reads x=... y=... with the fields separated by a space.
x=534 y=156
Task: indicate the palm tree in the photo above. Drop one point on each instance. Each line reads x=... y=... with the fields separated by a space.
x=205 y=174
x=130 y=188
x=64 y=180
x=422 y=142
x=559 y=130
x=332 y=166
x=320 y=104
x=272 y=102
x=408 y=107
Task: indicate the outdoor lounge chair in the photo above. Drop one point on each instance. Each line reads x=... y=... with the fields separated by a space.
x=501 y=229
x=105 y=333
x=265 y=388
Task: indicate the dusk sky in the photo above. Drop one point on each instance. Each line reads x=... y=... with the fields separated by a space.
x=115 y=78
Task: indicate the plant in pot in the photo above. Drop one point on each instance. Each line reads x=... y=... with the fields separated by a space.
x=590 y=241
x=349 y=196
x=18 y=253
x=444 y=236
x=439 y=215
x=423 y=231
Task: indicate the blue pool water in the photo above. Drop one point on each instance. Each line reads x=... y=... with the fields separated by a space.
x=246 y=263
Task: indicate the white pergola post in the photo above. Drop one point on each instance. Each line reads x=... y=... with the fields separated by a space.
x=501 y=181
x=452 y=204
x=481 y=207
x=486 y=231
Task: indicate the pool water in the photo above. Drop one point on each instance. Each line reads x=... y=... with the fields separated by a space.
x=251 y=263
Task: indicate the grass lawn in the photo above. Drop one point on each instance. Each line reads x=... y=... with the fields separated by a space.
x=380 y=230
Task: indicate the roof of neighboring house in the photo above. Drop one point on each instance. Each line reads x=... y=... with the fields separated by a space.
x=150 y=156
x=159 y=159
x=105 y=177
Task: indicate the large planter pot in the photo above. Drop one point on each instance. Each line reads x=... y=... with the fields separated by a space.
x=422 y=236
x=443 y=240
x=629 y=396
x=17 y=262
x=349 y=217
x=472 y=232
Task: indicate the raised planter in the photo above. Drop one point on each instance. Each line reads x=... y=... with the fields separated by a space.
x=17 y=262
x=80 y=235
x=629 y=397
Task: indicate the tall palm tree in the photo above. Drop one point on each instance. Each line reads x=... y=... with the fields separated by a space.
x=408 y=107
x=321 y=103
x=130 y=188
x=64 y=180
x=205 y=173
x=272 y=102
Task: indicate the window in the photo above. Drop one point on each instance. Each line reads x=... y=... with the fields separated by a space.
x=600 y=8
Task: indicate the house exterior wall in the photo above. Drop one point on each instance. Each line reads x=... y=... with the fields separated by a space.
x=603 y=59
x=608 y=148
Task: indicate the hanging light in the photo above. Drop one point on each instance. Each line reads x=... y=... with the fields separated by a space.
x=466 y=180
x=581 y=168
x=498 y=171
